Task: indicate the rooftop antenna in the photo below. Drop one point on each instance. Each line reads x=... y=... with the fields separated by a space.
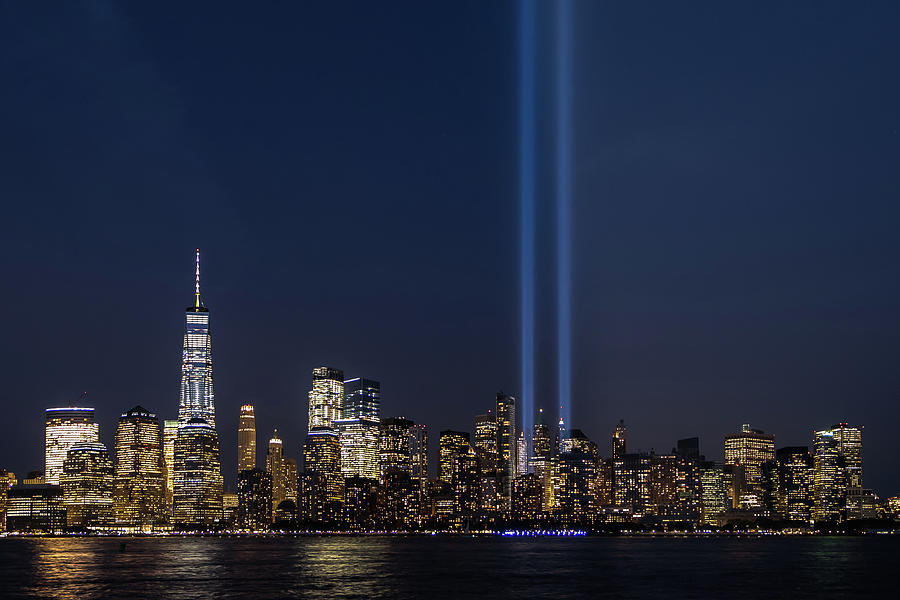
x=197 y=281
x=80 y=400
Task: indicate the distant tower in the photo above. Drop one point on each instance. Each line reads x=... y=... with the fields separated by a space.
x=619 y=450
x=197 y=398
x=326 y=398
x=140 y=483
x=65 y=428
x=247 y=439
x=275 y=467
x=506 y=445
x=322 y=483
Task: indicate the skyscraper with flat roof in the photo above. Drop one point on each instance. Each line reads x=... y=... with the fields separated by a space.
x=507 y=460
x=749 y=450
x=362 y=399
x=87 y=485
x=64 y=429
x=140 y=483
x=326 y=398
x=275 y=467
x=247 y=438
x=170 y=433
x=197 y=500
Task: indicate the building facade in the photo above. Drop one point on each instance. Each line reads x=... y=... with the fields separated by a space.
x=140 y=484
x=247 y=438
x=64 y=429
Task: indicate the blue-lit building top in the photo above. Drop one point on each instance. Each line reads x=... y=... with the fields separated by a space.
x=197 y=397
x=362 y=399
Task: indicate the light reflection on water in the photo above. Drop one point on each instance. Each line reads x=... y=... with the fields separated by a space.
x=443 y=567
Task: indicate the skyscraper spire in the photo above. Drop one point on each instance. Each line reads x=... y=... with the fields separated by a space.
x=197 y=282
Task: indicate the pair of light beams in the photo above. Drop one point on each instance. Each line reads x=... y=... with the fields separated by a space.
x=528 y=204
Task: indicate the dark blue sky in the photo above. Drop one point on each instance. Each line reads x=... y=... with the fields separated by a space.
x=350 y=174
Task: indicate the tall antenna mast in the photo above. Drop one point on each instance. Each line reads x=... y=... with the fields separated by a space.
x=197 y=281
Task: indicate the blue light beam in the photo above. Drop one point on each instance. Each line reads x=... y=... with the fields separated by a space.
x=527 y=53
x=564 y=207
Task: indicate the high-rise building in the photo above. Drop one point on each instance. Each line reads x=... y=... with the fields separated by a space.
x=326 y=398
x=197 y=396
x=197 y=481
x=521 y=454
x=362 y=399
x=322 y=483
x=358 y=427
x=506 y=445
x=247 y=439
x=488 y=460
x=4 y=492
x=837 y=468
x=577 y=474
x=418 y=449
x=713 y=495
x=140 y=485
x=458 y=468
x=197 y=500
x=394 y=452
x=619 y=449
x=275 y=467
x=290 y=480
x=87 y=485
x=254 y=499
x=359 y=446
x=64 y=429
x=749 y=449
x=793 y=471
x=170 y=433
x=543 y=463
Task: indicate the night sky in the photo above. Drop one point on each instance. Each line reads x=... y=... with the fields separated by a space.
x=350 y=173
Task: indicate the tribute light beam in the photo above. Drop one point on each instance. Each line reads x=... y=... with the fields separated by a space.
x=564 y=207
x=527 y=26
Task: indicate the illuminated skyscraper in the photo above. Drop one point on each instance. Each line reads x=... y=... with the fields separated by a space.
x=543 y=463
x=322 y=483
x=749 y=450
x=362 y=399
x=619 y=449
x=506 y=445
x=197 y=397
x=197 y=498
x=418 y=449
x=140 y=486
x=713 y=493
x=359 y=446
x=793 y=473
x=290 y=480
x=394 y=451
x=275 y=467
x=358 y=428
x=170 y=432
x=837 y=464
x=66 y=428
x=486 y=443
x=458 y=468
x=326 y=398
x=247 y=439
x=521 y=454
x=87 y=485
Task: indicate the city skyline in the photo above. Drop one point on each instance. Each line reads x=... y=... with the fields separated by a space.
x=354 y=180
x=329 y=406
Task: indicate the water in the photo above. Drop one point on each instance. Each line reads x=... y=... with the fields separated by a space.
x=449 y=567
